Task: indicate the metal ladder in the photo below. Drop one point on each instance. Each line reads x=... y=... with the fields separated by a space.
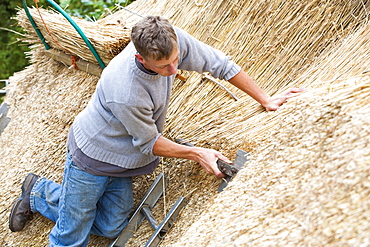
x=6 y=82
x=144 y=211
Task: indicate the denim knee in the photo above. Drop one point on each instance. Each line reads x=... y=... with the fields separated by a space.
x=111 y=232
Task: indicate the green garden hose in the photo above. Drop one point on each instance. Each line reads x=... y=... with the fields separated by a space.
x=47 y=47
x=72 y=22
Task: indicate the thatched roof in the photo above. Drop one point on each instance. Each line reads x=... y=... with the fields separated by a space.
x=307 y=183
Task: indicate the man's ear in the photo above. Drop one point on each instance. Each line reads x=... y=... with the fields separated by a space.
x=139 y=58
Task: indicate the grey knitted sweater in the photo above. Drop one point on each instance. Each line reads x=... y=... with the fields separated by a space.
x=126 y=113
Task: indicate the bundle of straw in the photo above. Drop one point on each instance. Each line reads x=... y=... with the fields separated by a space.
x=108 y=40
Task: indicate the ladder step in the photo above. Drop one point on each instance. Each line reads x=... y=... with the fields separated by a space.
x=167 y=223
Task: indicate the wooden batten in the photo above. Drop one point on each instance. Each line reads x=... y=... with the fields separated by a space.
x=66 y=59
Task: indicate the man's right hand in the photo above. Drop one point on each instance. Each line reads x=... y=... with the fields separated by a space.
x=207 y=158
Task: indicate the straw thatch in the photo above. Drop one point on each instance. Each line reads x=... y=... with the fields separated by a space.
x=308 y=186
x=307 y=182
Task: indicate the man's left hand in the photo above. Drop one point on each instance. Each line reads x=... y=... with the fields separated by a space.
x=277 y=100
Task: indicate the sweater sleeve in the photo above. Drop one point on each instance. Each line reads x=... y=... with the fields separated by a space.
x=200 y=57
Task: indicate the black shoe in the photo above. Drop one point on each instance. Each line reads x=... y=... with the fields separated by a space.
x=21 y=210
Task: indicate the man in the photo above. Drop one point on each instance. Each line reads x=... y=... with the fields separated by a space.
x=119 y=134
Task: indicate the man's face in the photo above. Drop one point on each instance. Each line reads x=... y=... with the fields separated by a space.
x=164 y=67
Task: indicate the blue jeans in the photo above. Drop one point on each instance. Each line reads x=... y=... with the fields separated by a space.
x=84 y=204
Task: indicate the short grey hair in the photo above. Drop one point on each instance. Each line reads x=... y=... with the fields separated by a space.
x=154 y=38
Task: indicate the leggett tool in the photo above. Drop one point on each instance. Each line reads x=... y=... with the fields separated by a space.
x=229 y=170
x=144 y=211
